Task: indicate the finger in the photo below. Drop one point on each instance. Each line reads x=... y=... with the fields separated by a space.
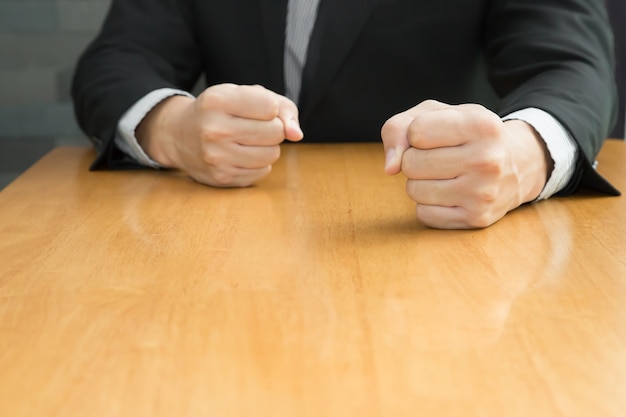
x=426 y=106
x=445 y=193
x=433 y=164
x=395 y=134
x=453 y=126
x=461 y=191
x=243 y=101
x=231 y=176
x=440 y=217
x=223 y=128
x=395 y=141
x=259 y=133
x=476 y=205
x=288 y=114
x=253 y=157
x=240 y=156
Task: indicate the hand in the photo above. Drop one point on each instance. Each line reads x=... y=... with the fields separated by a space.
x=228 y=137
x=465 y=168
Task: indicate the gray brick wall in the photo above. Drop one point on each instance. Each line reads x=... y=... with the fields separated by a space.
x=40 y=41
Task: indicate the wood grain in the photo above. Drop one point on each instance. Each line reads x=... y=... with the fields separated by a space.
x=314 y=293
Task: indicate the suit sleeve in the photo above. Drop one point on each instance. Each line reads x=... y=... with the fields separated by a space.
x=144 y=45
x=557 y=55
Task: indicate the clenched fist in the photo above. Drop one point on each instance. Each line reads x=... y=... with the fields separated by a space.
x=227 y=137
x=465 y=168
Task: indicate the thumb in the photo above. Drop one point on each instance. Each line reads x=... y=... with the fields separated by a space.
x=394 y=134
x=288 y=114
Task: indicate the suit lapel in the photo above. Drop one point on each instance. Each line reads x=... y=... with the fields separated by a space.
x=273 y=15
x=337 y=27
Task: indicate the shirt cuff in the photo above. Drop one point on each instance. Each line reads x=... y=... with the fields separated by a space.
x=561 y=146
x=125 y=138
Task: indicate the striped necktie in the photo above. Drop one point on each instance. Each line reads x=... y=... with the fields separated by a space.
x=301 y=15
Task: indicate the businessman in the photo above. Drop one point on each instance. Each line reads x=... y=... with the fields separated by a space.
x=482 y=105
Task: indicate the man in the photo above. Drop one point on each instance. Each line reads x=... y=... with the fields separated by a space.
x=341 y=71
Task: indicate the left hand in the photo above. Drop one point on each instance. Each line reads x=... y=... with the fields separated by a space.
x=465 y=168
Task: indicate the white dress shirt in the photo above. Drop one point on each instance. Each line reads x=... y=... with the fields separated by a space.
x=301 y=15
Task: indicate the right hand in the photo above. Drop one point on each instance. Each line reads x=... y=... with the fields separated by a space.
x=227 y=137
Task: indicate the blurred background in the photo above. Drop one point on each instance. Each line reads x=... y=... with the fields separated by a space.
x=40 y=41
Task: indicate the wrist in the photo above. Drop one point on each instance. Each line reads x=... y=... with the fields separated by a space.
x=161 y=129
x=531 y=158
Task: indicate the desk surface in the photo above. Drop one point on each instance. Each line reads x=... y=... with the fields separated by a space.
x=315 y=293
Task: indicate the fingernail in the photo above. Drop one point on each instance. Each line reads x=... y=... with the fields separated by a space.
x=390 y=158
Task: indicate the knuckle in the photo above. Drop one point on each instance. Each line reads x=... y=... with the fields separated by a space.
x=258 y=87
x=211 y=99
x=267 y=102
x=491 y=162
x=483 y=212
x=273 y=107
x=476 y=218
x=213 y=157
x=221 y=178
x=480 y=221
x=486 y=196
x=214 y=132
x=285 y=103
x=420 y=213
x=391 y=126
x=430 y=103
x=411 y=189
x=274 y=153
x=277 y=130
x=416 y=127
x=488 y=125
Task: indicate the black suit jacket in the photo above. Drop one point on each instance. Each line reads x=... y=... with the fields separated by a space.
x=367 y=60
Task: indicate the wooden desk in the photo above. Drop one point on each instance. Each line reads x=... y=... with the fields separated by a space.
x=315 y=293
